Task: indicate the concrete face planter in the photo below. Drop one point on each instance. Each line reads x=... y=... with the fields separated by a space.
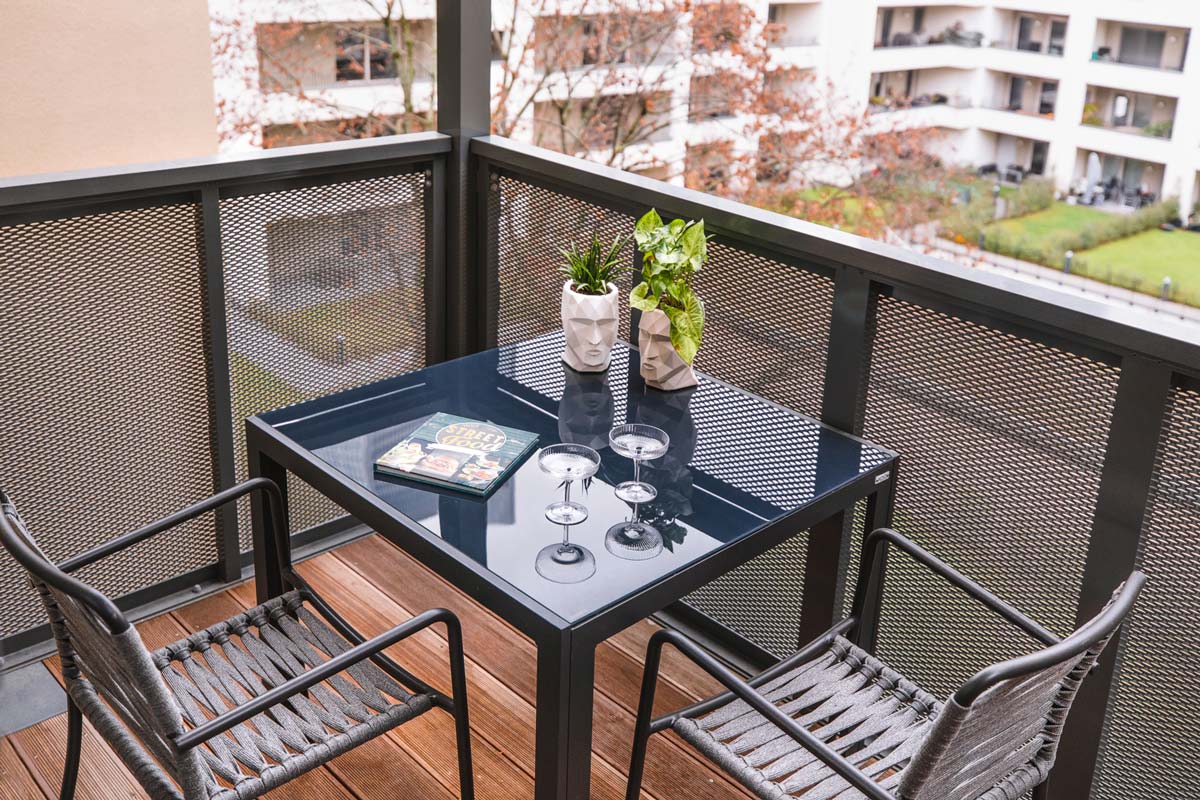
x=590 y=324
x=662 y=367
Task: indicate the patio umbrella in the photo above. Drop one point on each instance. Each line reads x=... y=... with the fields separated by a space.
x=1093 y=175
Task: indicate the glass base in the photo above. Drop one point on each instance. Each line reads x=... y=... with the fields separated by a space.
x=635 y=492
x=565 y=563
x=633 y=541
x=566 y=513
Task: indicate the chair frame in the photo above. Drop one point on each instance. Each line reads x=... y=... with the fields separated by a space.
x=864 y=622
x=59 y=576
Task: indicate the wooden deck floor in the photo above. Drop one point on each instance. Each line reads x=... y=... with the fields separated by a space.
x=376 y=586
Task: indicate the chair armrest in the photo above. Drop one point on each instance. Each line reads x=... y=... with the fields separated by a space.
x=1098 y=629
x=274 y=497
x=235 y=716
x=875 y=549
x=758 y=702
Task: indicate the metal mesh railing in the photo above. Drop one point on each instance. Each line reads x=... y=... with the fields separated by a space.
x=104 y=393
x=1149 y=743
x=325 y=290
x=1002 y=442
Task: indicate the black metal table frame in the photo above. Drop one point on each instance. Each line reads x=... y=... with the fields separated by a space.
x=566 y=650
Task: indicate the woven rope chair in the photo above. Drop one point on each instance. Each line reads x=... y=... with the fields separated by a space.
x=243 y=706
x=833 y=722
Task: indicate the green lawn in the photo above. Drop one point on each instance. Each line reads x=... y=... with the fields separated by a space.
x=1041 y=224
x=1141 y=261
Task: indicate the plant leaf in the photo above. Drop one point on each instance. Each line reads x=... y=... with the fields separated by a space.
x=638 y=298
x=647 y=227
x=695 y=245
x=687 y=325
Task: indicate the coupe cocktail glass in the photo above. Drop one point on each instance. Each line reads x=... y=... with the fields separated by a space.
x=563 y=562
x=568 y=463
x=641 y=443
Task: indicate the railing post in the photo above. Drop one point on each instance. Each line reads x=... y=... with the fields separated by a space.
x=220 y=382
x=463 y=112
x=849 y=353
x=1124 y=495
x=435 y=262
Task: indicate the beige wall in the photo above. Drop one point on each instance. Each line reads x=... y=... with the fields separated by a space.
x=89 y=83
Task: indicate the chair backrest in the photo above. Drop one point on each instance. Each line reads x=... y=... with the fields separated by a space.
x=999 y=734
x=102 y=655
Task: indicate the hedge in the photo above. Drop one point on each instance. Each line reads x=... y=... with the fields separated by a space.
x=1050 y=250
x=965 y=222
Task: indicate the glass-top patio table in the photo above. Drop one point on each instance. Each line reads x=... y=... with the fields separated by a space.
x=741 y=476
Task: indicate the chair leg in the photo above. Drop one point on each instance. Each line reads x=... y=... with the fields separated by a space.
x=641 y=730
x=74 y=745
x=1042 y=790
x=462 y=723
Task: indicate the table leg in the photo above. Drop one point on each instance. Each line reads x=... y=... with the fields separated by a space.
x=563 y=738
x=268 y=579
x=879 y=515
x=821 y=571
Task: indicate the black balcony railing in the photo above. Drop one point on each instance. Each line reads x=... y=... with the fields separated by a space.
x=1048 y=442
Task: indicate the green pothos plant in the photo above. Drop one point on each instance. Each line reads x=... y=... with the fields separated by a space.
x=672 y=253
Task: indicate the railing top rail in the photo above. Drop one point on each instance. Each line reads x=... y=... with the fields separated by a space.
x=76 y=185
x=1091 y=322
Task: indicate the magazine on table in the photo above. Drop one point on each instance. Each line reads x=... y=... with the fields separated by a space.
x=458 y=453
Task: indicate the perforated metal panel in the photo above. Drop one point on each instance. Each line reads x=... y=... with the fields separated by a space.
x=325 y=290
x=766 y=326
x=1149 y=744
x=103 y=392
x=534 y=224
x=767 y=329
x=1001 y=442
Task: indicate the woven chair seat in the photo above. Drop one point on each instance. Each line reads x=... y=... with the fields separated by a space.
x=873 y=716
x=226 y=665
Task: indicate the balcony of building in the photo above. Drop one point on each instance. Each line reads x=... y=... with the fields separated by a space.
x=918 y=26
x=1021 y=94
x=1122 y=184
x=1029 y=33
x=1011 y=159
x=1148 y=47
x=173 y=329
x=1129 y=112
x=795 y=25
x=564 y=42
x=919 y=88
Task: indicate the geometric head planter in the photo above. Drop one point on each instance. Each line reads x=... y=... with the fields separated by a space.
x=662 y=367
x=590 y=326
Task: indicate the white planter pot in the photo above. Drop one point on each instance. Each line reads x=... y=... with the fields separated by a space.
x=590 y=324
x=662 y=367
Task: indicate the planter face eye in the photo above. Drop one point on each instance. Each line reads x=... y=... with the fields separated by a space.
x=662 y=367
x=590 y=327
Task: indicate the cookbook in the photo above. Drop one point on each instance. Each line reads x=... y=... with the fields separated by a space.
x=458 y=453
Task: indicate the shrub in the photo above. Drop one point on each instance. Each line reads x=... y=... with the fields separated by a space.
x=1050 y=250
x=1032 y=195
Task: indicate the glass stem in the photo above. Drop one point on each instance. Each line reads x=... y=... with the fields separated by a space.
x=566 y=545
x=567 y=492
x=637 y=470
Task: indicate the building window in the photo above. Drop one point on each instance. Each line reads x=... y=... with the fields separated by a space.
x=1048 y=98
x=1142 y=47
x=1058 y=37
x=363 y=54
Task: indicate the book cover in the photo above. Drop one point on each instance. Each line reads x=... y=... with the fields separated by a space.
x=458 y=453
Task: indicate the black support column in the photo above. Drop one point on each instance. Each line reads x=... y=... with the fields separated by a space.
x=463 y=111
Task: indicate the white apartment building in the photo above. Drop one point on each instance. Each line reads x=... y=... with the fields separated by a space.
x=1026 y=86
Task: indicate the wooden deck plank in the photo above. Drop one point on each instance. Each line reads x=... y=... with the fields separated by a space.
x=672 y=770
x=16 y=781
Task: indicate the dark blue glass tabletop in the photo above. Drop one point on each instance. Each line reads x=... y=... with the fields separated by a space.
x=735 y=464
